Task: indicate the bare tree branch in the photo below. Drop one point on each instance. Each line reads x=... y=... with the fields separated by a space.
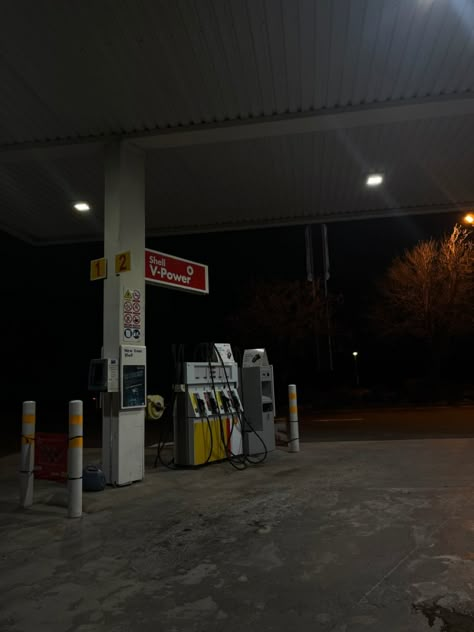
x=428 y=293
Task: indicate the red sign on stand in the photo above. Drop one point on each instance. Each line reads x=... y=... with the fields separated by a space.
x=51 y=456
x=182 y=274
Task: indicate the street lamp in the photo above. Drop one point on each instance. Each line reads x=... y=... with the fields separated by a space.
x=356 y=370
x=469 y=218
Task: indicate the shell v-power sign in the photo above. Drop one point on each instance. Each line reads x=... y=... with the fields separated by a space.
x=170 y=271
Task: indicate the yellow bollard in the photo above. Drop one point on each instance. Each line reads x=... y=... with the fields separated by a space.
x=27 y=457
x=294 y=434
x=74 y=460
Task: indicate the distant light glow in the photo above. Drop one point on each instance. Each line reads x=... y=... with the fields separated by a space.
x=355 y=354
x=374 y=180
x=469 y=218
x=82 y=207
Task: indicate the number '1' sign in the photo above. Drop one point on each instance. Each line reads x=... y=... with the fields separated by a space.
x=98 y=269
x=174 y=272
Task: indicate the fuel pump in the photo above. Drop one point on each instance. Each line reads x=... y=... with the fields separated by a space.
x=207 y=415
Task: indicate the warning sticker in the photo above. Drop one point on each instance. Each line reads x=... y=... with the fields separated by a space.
x=131 y=314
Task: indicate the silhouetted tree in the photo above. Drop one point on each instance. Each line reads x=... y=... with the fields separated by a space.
x=288 y=318
x=282 y=310
x=428 y=293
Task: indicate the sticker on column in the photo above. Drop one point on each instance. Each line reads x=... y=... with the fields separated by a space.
x=131 y=314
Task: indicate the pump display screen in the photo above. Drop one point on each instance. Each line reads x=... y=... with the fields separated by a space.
x=133 y=385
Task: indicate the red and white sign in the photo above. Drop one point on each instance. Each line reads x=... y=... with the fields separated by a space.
x=163 y=269
x=131 y=314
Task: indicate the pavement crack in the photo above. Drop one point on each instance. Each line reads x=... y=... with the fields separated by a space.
x=410 y=553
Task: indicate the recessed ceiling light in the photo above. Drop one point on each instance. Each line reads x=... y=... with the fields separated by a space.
x=82 y=207
x=374 y=180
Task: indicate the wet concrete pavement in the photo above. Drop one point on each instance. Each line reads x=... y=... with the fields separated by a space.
x=345 y=536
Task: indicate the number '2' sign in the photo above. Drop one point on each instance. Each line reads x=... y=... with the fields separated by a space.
x=123 y=262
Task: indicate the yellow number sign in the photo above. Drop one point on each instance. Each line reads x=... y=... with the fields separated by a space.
x=98 y=269
x=123 y=262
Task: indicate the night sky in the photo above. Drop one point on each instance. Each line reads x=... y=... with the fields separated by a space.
x=52 y=314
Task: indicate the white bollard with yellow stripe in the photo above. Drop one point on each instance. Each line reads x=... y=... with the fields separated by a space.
x=294 y=433
x=74 y=460
x=27 y=458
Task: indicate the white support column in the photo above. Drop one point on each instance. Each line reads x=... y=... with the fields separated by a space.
x=123 y=431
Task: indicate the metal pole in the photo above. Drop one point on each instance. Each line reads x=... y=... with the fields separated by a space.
x=324 y=235
x=74 y=460
x=294 y=438
x=27 y=458
x=308 y=237
x=356 y=369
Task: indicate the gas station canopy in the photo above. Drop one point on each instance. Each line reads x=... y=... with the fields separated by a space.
x=251 y=113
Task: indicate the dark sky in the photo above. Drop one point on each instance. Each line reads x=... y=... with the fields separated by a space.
x=52 y=314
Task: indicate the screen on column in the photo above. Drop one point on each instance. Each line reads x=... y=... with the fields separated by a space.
x=133 y=386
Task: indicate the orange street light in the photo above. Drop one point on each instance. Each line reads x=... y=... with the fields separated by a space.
x=469 y=218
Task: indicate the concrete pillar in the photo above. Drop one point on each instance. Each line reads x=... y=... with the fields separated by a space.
x=27 y=458
x=123 y=433
x=74 y=460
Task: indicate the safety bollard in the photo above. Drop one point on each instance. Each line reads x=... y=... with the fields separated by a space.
x=27 y=458
x=294 y=433
x=74 y=460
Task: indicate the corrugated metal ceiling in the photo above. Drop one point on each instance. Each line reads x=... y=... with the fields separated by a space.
x=80 y=68
x=308 y=175
x=89 y=70
x=280 y=180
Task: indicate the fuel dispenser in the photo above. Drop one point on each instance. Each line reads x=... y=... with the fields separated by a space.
x=258 y=396
x=207 y=414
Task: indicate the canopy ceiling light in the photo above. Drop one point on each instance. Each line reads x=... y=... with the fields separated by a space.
x=82 y=207
x=374 y=180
